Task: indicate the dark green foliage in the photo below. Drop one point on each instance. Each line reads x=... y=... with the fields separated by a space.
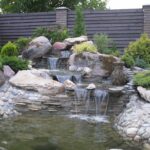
x=22 y=43
x=94 y=4
x=79 y=27
x=14 y=62
x=141 y=63
x=57 y=33
x=139 y=49
x=102 y=42
x=105 y=45
x=9 y=49
x=128 y=60
x=25 y=6
x=142 y=79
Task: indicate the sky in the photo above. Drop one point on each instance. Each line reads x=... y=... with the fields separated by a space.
x=125 y=4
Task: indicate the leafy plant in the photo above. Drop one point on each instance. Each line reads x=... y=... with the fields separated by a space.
x=14 y=62
x=102 y=43
x=141 y=63
x=139 y=49
x=57 y=33
x=84 y=47
x=128 y=59
x=9 y=49
x=79 y=27
x=22 y=43
x=142 y=79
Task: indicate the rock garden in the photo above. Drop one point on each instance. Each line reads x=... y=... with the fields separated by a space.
x=81 y=78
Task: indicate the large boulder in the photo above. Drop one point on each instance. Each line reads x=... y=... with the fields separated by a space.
x=76 y=40
x=2 y=78
x=29 y=80
x=144 y=93
x=58 y=47
x=100 y=64
x=38 y=47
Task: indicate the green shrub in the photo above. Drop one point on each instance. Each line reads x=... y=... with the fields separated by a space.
x=14 y=62
x=142 y=79
x=79 y=27
x=141 y=63
x=129 y=61
x=57 y=33
x=140 y=49
x=9 y=49
x=84 y=47
x=102 y=42
x=22 y=43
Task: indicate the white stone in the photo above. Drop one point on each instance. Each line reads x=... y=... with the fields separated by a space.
x=91 y=86
x=131 y=132
x=144 y=93
x=75 y=40
x=69 y=85
x=27 y=80
x=72 y=68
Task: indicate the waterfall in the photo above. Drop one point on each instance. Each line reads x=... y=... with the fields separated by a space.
x=101 y=101
x=63 y=78
x=65 y=54
x=80 y=94
x=52 y=63
x=77 y=78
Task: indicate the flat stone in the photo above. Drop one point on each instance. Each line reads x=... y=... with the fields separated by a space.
x=131 y=132
x=91 y=86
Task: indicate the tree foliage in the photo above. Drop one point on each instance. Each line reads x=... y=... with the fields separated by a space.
x=25 y=6
x=93 y=4
x=79 y=27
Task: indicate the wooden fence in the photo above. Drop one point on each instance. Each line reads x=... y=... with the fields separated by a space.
x=123 y=26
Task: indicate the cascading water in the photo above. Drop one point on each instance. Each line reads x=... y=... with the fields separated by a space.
x=100 y=99
x=62 y=78
x=77 y=78
x=52 y=63
x=65 y=54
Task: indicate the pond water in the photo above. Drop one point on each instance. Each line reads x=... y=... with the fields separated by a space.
x=59 y=132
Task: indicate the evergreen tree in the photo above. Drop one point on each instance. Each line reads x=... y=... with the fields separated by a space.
x=79 y=27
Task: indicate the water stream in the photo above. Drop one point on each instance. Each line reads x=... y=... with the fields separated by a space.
x=52 y=63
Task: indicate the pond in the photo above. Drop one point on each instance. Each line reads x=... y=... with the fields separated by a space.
x=38 y=131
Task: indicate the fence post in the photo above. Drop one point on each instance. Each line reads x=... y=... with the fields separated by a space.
x=146 y=10
x=61 y=16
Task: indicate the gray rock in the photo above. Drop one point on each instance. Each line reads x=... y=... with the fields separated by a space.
x=144 y=93
x=2 y=78
x=38 y=47
x=72 y=41
x=29 y=81
x=8 y=72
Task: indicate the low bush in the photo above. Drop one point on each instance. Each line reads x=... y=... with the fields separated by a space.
x=14 y=62
x=22 y=43
x=57 y=33
x=139 y=49
x=105 y=45
x=84 y=47
x=141 y=63
x=9 y=49
x=102 y=42
x=142 y=79
x=128 y=60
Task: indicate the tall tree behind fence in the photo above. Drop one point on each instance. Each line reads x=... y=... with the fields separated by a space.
x=123 y=26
